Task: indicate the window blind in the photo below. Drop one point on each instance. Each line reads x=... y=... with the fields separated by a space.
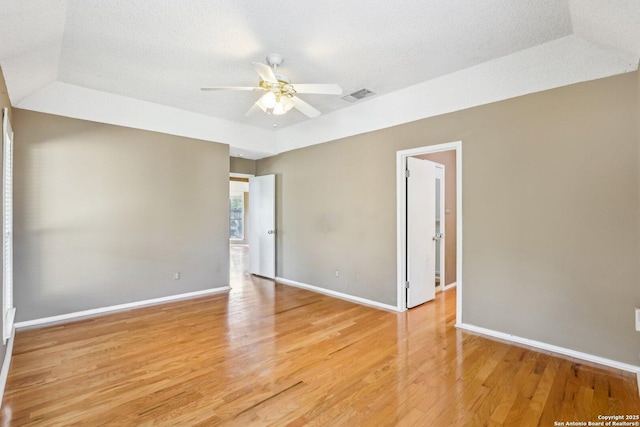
x=8 y=310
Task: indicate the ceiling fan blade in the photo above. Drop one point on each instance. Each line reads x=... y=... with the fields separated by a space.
x=261 y=105
x=231 y=88
x=320 y=89
x=265 y=72
x=304 y=108
x=254 y=109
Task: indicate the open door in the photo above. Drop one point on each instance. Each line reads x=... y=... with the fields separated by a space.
x=421 y=231
x=440 y=228
x=262 y=226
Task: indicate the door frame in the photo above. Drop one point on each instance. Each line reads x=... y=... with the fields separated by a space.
x=401 y=210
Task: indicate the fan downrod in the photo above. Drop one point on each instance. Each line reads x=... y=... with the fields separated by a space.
x=274 y=60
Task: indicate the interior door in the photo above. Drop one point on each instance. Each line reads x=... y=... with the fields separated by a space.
x=421 y=231
x=262 y=226
x=440 y=226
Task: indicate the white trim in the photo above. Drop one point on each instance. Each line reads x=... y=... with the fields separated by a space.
x=638 y=379
x=449 y=286
x=103 y=107
x=240 y=175
x=556 y=63
x=550 y=347
x=95 y=311
x=4 y=374
x=337 y=294
x=401 y=160
x=401 y=203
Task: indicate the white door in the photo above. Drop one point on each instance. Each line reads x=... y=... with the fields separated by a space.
x=262 y=226
x=440 y=225
x=421 y=231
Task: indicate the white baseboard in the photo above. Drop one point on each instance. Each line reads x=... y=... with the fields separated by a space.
x=552 y=348
x=449 y=286
x=4 y=373
x=337 y=294
x=95 y=311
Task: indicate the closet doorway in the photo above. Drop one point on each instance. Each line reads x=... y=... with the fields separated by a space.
x=450 y=155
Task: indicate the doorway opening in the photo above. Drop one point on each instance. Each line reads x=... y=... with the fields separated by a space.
x=449 y=153
x=252 y=233
x=238 y=210
x=238 y=225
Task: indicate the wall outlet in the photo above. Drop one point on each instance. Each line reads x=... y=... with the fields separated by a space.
x=176 y=276
x=637 y=319
x=337 y=273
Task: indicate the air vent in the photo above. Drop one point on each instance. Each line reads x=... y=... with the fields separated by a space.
x=358 y=95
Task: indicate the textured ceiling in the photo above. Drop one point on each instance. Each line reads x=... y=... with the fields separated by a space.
x=166 y=54
x=162 y=52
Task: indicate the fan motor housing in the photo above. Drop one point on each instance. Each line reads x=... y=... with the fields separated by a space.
x=282 y=78
x=274 y=59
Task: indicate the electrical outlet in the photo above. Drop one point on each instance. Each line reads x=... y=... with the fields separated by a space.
x=176 y=276
x=337 y=273
x=637 y=319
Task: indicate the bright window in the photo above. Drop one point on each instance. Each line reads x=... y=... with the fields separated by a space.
x=8 y=310
x=236 y=216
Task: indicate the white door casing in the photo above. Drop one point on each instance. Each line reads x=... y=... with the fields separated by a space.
x=262 y=226
x=401 y=226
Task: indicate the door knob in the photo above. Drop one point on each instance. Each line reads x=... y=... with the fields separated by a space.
x=271 y=231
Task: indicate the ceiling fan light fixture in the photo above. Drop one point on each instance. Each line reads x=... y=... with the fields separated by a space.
x=269 y=100
x=279 y=95
x=282 y=106
x=278 y=110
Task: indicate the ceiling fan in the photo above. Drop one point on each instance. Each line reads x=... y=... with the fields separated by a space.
x=279 y=93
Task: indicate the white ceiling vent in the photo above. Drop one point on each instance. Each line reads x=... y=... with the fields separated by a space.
x=358 y=95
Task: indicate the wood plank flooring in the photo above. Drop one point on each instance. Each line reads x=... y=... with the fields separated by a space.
x=269 y=354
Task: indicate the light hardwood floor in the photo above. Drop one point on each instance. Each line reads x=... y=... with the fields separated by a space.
x=269 y=354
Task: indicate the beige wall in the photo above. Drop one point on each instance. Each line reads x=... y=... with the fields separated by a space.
x=4 y=94
x=550 y=208
x=106 y=215
x=335 y=211
x=240 y=165
x=448 y=159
